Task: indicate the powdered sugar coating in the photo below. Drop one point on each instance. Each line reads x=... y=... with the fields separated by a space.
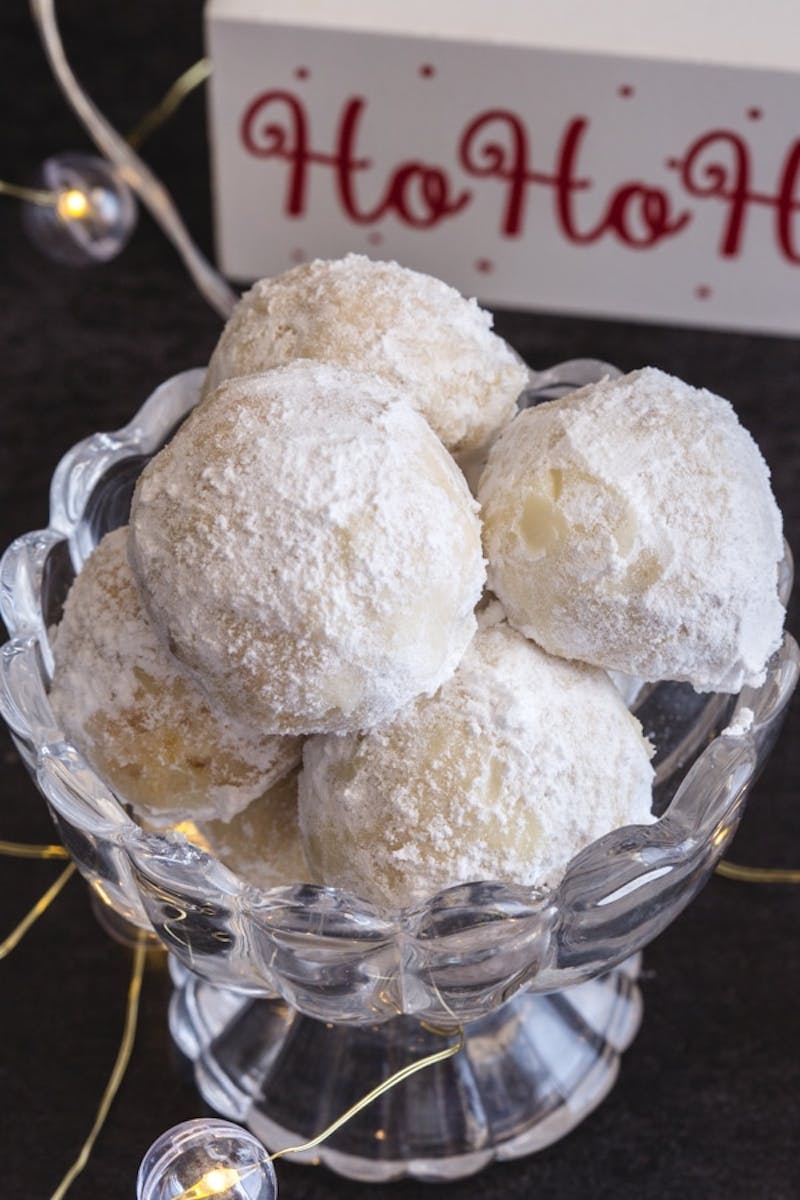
x=262 y=844
x=516 y=764
x=309 y=549
x=631 y=525
x=413 y=330
x=142 y=724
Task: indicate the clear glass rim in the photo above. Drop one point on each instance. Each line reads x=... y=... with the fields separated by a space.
x=601 y=880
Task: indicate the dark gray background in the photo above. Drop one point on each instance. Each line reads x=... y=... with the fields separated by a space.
x=708 y=1099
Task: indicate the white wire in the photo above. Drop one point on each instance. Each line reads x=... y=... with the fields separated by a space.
x=131 y=168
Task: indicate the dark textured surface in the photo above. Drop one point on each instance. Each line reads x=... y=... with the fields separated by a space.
x=708 y=1100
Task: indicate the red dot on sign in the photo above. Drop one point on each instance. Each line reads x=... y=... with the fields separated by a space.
x=427 y=70
x=297 y=255
x=625 y=90
x=702 y=291
x=673 y=164
x=375 y=238
x=301 y=72
x=754 y=114
x=484 y=265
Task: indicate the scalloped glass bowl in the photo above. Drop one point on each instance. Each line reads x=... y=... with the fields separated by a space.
x=294 y=1002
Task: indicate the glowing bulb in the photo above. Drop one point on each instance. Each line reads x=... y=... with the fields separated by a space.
x=72 y=205
x=220 y=1179
x=214 y=1183
x=203 y=1159
x=93 y=216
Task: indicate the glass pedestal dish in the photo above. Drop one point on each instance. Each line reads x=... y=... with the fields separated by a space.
x=294 y=1002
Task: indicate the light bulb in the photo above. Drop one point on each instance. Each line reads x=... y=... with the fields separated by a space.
x=93 y=213
x=206 y=1159
x=72 y=204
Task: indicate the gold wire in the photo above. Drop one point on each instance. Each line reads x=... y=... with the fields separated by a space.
x=26 y=850
x=41 y=906
x=32 y=195
x=387 y=1085
x=183 y=86
x=204 y=1187
x=742 y=874
x=170 y=102
x=117 y=1073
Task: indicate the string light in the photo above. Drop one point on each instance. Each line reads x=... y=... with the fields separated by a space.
x=204 y=1152
x=91 y=217
x=127 y=163
x=72 y=204
x=85 y=212
x=214 y=1183
x=206 y=1158
x=224 y=1160
x=96 y=227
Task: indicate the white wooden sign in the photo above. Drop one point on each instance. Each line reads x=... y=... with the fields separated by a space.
x=536 y=176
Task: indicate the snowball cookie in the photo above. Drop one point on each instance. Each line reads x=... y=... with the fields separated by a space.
x=518 y=762
x=631 y=525
x=262 y=844
x=411 y=329
x=145 y=727
x=310 y=549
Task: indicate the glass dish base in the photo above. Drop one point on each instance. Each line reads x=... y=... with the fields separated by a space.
x=528 y=1073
